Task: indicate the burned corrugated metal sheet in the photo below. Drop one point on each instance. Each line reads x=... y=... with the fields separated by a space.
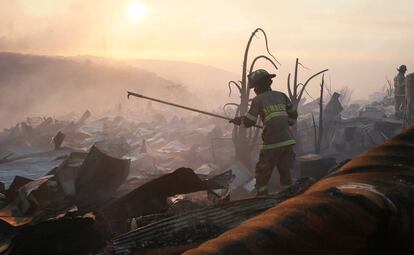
x=199 y=225
x=12 y=191
x=151 y=197
x=31 y=164
x=366 y=207
x=12 y=216
x=67 y=172
x=101 y=173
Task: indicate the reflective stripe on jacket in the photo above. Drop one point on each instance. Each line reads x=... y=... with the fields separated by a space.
x=277 y=113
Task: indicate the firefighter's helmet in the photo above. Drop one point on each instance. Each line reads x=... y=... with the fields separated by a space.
x=259 y=75
x=402 y=68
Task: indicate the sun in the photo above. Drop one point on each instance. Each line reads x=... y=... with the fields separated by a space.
x=136 y=11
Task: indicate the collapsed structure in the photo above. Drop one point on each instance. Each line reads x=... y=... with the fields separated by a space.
x=115 y=185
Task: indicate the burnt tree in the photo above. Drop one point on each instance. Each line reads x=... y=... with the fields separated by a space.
x=296 y=91
x=320 y=133
x=244 y=140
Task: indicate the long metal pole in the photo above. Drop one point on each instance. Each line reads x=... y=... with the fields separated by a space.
x=180 y=106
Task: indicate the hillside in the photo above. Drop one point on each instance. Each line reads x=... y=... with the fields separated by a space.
x=39 y=85
x=196 y=76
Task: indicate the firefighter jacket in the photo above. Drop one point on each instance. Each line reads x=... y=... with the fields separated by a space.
x=277 y=113
x=399 y=85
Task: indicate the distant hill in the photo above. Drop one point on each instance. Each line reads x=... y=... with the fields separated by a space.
x=195 y=76
x=42 y=85
x=33 y=85
x=210 y=84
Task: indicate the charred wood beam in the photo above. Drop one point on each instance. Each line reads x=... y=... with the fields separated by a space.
x=320 y=134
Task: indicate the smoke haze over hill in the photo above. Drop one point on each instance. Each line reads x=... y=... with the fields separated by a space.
x=41 y=86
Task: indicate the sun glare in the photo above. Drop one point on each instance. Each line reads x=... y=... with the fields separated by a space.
x=136 y=11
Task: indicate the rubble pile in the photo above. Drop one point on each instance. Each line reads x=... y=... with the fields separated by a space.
x=181 y=231
x=82 y=182
x=354 y=128
x=151 y=182
x=157 y=146
x=365 y=207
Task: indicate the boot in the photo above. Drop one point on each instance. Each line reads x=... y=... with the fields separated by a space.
x=262 y=191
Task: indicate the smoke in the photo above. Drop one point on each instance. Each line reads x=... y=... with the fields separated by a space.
x=52 y=86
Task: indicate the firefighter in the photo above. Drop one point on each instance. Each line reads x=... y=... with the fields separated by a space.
x=399 y=91
x=332 y=111
x=277 y=114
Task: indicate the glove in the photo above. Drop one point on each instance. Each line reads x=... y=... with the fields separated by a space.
x=237 y=121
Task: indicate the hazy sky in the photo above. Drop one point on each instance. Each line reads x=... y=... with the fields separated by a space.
x=360 y=41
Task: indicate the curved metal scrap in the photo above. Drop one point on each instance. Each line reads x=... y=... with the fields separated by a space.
x=365 y=207
x=180 y=232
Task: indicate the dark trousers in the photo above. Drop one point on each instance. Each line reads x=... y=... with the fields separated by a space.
x=283 y=158
x=399 y=106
